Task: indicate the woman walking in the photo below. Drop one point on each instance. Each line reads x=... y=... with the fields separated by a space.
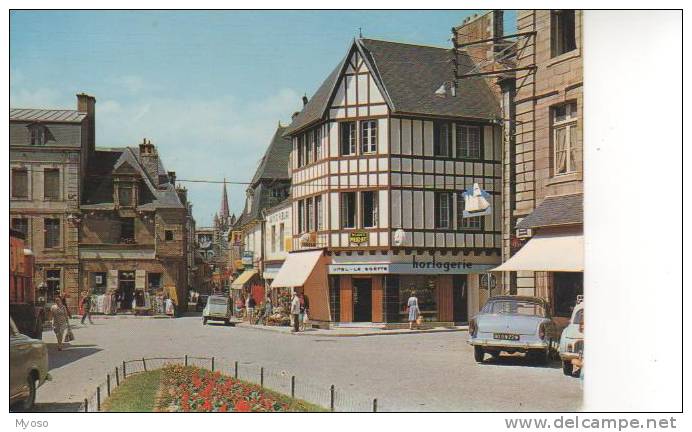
x=295 y=312
x=61 y=321
x=413 y=310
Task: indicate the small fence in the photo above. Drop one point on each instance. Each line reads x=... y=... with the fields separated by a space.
x=331 y=398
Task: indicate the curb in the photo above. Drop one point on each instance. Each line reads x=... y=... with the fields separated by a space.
x=389 y=332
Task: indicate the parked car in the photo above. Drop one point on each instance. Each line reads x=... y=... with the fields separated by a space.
x=218 y=308
x=201 y=302
x=513 y=324
x=572 y=340
x=28 y=368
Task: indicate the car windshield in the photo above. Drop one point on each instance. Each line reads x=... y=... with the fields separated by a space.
x=218 y=301
x=578 y=317
x=514 y=307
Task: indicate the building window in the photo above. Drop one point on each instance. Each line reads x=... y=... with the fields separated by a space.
x=369 y=209
x=20 y=183
x=564 y=124
x=38 y=134
x=318 y=144
x=468 y=142
x=347 y=138
x=154 y=281
x=301 y=216
x=562 y=32
x=51 y=184
x=21 y=225
x=168 y=235
x=273 y=238
x=309 y=147
x=52 y=285
x=281 y=237
x=127 y=230
x=368 y=136
x=348 y=210
x=125 y=195
x=442 y=139
x=443 y=210
x=310 y=214
x=319 y=213
x=51 y=230
x=299 y=147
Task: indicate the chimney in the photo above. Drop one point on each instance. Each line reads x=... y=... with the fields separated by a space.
x=305 y=100
x=87 y=104
x=150 y=160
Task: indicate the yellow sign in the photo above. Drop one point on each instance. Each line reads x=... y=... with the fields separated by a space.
x=359 y=237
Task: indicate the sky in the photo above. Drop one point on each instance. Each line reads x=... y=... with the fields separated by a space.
x=208 y=88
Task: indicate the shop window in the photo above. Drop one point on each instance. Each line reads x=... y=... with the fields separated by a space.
x=51 y=236
x=319 y=213
x=98 y=283
x=51 y=184
x=169 y=235
x=368 y=136
x=442 y=139
x=52 y=285
x=562 y=32
x=20 y=183
x=369 y=209
x=564 y=125
x=154 y=281
x=566 y=287
x=468 y=142
x=21 y=225
x=443 y=210
x=127 y=230
x=425 y=288
x=347 y=138
x=348 y=210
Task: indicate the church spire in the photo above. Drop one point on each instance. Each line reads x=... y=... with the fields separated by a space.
x=224 y=214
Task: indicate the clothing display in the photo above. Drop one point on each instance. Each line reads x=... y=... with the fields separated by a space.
x=104 y=304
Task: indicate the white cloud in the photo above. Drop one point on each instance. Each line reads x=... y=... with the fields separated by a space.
x=36 y=98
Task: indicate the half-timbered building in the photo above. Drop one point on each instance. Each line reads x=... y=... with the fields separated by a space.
x=382 y=153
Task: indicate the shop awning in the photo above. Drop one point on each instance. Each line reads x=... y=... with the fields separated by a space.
x=548 y=252
x=244 y=278
x=296 y=269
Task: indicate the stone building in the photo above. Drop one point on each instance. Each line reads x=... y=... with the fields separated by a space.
x=542 y=102
x=213 y=247
x=49 y=152
x=133 y=234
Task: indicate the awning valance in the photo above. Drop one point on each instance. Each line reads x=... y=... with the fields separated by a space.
x=296 y=269
x=244 y=278
x=548 y=252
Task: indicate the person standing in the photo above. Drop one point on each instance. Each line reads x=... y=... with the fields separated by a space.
x=295 y=312
x=250 y=308
x=304 y=310
x=86 y=309
x=413 y=310
x=61 y=320
x=268 y=309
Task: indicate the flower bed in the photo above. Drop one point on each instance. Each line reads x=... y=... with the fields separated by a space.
x=191 y=389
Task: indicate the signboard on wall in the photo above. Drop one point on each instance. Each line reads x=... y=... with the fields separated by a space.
x=358 y=237
x=415 y=267
x=247 y=258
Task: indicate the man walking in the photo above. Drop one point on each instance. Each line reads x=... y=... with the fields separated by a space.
x=295 y=312
x=86 y=309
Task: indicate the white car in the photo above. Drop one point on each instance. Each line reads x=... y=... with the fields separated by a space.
x=572 y=340
x=218 y=308
x=28 y=368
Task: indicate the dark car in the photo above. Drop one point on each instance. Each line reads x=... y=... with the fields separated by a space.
x=201 y=302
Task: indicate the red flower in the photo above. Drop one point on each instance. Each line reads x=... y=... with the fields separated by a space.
x=242 y=406
x=223 y=408
x=207 y=405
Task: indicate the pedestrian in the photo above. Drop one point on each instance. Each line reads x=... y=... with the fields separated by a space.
x=413 y=310
x=304 y=309
x=295 y=312
x=64 y=302
x=86 y=309
x=250 y=308
x=61 y=321
x=268 y=309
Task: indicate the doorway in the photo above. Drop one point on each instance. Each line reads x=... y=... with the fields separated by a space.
x=126 y=289
x=362 y=300
x=460 y=296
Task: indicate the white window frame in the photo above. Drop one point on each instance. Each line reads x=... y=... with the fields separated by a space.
x=569 y=125
x=318 y=144
x=368 y=136
x=375 y=208
x=342 y=209
x=282 y=233
x=319 y=213
x=273 y=238
x=464 y=148
x=439 y=213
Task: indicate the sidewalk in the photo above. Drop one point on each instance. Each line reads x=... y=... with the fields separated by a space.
x=350 y=331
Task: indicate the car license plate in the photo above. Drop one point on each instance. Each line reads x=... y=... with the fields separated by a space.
x=506 y=336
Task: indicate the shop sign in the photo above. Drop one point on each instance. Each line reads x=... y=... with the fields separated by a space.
x=247 y=258
x=415 y=267
x=358 y=237
x=359 y=268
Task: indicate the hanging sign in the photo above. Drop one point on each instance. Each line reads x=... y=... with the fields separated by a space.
x=358 y=237
x=476 y=202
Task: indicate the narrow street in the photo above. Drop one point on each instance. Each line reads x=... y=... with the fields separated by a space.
x=423 y=372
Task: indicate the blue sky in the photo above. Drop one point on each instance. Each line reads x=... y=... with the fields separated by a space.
x=208 y=88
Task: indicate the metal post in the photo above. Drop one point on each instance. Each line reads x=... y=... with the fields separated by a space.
x=185 y=359
x=144 y=363
x=236 y=370
x=86 y=405
x=124 y=370
x=98 y=398
x=261 y=377
x=374 y=405
x=117 y=377
x=331 y=398
x=293 y=386
x=212 y=364
x=108 y=385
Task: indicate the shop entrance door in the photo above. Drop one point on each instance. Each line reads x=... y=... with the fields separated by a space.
x=126 y=289
x=362 y=300
x=460 y=297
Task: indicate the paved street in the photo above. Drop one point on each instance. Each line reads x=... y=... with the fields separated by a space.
x=417 y=372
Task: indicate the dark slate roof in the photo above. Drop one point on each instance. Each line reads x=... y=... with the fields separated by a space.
x=98 y=192
x=47 y=115
x=556 y=210
x=410 y=75
x=274 y=163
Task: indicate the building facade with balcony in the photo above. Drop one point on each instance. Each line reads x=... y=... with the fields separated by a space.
x=382 y=154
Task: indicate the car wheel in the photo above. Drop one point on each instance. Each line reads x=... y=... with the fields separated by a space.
x=28 y=403
x=567 y=368
x=478 y=354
